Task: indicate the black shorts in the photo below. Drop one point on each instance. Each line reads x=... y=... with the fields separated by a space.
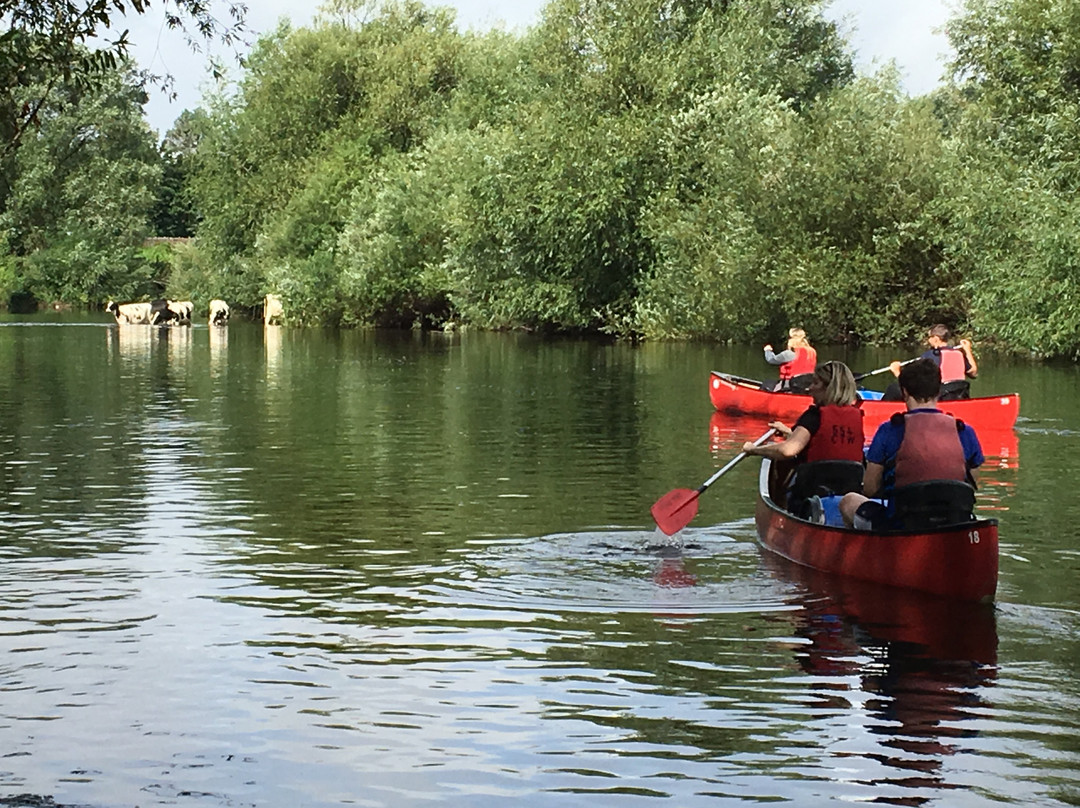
x=872 y=515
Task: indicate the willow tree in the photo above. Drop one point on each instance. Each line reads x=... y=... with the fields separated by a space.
x=83 y=187
x=53 y=44
x=1016 y=213
x=558 y=237
x=316 y=110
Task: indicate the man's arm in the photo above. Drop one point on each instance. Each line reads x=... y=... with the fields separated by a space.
x=872 y=479
x=973 y=366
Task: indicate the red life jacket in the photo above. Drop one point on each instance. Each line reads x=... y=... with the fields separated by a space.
x=953 y=365
x=840 y=436
x=930 y=450
x=804 y=362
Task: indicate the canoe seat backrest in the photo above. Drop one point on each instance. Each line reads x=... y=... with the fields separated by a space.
x=934 y=503
x=955 y=391
x=822 y=478
x=825 y=478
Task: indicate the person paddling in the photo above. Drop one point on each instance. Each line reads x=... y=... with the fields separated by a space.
x=830 y=429
x=796 y=363
x=922 y=445
x=957 y=363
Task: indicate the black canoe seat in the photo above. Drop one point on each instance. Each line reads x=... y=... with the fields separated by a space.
x=823 y=478
x=955 y=391
x=934 y=503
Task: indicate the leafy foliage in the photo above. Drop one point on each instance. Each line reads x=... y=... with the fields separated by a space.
x=1015 y=213
x=45 y=46
x=83 y=188
x=644 y=168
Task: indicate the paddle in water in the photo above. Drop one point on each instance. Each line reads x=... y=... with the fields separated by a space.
x=673 y=511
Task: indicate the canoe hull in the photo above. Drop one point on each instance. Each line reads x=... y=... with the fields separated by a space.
x=737 y=396
x=959 y=563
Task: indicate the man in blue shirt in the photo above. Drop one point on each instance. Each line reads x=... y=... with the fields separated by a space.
x=921 y=445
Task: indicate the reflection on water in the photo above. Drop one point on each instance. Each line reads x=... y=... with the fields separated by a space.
x=922 y=666
x=219 y=349
x=272 y=340
x=249 y=567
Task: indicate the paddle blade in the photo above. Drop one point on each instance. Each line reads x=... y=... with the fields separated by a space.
x=673 y=511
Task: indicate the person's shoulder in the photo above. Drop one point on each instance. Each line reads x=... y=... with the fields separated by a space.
x=886 y=428
x=811 y=416
x=968 y=430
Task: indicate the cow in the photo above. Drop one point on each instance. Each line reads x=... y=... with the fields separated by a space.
x=160 y=313
x=219 y=312
x=183 y=308
x=129 y=312
x=273 y=310
x=171 y=311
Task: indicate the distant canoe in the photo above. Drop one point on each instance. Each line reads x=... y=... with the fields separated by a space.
x=739 y=396
x=958 y=562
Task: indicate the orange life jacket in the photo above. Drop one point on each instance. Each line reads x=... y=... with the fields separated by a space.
x=840 y=436
x=805 y=361
x=930 y=450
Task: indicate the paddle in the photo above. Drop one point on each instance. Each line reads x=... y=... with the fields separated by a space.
x=673 y=511
x=861 y=376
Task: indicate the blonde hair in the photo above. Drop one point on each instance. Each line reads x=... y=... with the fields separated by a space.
x=797 y=339
x=839 y=383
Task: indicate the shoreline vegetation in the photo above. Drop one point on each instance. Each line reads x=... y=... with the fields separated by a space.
x=639 y=169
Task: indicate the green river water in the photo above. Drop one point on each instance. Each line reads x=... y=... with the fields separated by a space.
x=275 y=567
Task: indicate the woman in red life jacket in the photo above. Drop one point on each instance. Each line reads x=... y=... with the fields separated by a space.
x=957 y=365
x=796 y=363
x=830 y=429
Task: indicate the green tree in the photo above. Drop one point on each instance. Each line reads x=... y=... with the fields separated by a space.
x=174 y=210
x=1015 y=214
x=317 y=106
x=84 y=185
x=45 y=46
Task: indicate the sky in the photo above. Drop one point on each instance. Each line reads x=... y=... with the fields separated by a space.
x=879 y=30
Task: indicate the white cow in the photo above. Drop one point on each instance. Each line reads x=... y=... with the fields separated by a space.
x=219 y=312
x=129 y=312
x=273 y=310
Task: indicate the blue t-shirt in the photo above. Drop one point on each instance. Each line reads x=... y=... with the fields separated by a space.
x=886 y=444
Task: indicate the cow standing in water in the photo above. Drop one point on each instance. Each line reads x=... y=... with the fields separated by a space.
x=171 y=311
x=219 y=312
x=273 y=310
x=129 y=312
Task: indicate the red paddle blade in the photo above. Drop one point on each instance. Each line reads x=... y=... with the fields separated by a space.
x=673 y=511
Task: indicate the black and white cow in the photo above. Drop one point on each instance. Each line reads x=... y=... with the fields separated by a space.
x=219 y=312
x=183 y=308
x=129 y=312
x=164 y=312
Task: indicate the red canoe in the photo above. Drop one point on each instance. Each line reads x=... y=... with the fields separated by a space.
x=958 y=562
x=736 y=395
